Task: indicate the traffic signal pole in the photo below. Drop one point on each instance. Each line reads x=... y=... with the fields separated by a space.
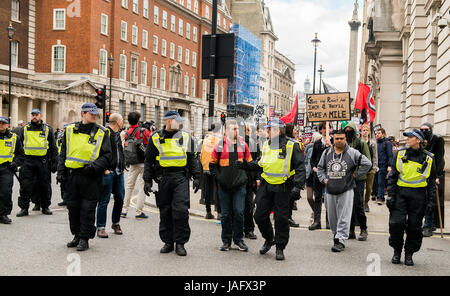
x=104 y=104
x=212 y=64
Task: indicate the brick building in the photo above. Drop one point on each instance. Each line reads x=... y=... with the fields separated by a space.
x=156 y=46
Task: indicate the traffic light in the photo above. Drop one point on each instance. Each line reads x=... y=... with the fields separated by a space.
x=100 y=98
x=107 y=116
x=223 y=118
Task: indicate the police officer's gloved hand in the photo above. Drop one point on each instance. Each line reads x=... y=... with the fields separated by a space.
x=148 y=188
x=196 y=185
x=390 y=202
x=54 y=167
x=295 y=193
x=89 y=169
x=60 y=178
x=12 y=167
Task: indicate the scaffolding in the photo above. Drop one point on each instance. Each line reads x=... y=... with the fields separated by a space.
x=243 y=88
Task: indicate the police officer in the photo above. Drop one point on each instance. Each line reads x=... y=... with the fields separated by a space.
x=169 y=158
x=11 y=155
x=40 y=160
x=411 y=190
x=283 y=177
x=85 y=156
x=59 y=141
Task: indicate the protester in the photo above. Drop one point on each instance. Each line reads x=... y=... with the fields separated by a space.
x=384 y=148
x=366 y=136
x=309 y=173
x=251 y=187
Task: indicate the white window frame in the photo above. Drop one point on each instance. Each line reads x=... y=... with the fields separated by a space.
x=154 y=76
x=145 y=39
x=188 y=31
x=134 y=78
x=164 y=19
x=172 y=51
x=194 y=34
x=225 y=23
x=186 y=84
x=145 y=9
x=155 y=44
x=156 y=15
x=122 y=31
x=162 y=79
x=135 y=7
x=55 y=10
x=204 y=90
x=218 y=19
x=143 y=72
x=193 y=87
x=187 y=56
x=194 y=59
x=180 y=54
x=125 y=4
x=180 y=27
x=134 y=37
x=15 y=11
x=124 y=68
x=14 y=53
x=164 y=47
x=188 y=4
x=173 y=22
x=196 y=6
x=102 y=68
x=104 y=24
x=53 y=58
x=207 y=11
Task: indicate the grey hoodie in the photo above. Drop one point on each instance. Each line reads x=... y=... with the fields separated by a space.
x=338 y=169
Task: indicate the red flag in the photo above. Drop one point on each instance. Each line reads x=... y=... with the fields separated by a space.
x=290 y=117
x=371 y=107
x=361 y=96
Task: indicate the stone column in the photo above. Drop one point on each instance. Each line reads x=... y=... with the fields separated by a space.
x=29 y=108
x=56 y=115
x=14 y=111
x=353 y=52
x=44 y=110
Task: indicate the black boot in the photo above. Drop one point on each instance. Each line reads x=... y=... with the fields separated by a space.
x=352 y=235
x=62 y=204
x=266 y=247
x=279 y=254
x=5 y=220
x=396 y=257
x=83 y=245
x=293 y=224
x=315 y=225
x=167 y=248
x=74 y=242
x=250 y=235
x=408 y=259
x=36 y=208
x=180 y=250
x=46 y=211
x=209 y=215
x=22 y=213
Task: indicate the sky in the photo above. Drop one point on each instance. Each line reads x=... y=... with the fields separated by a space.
x=296 y=21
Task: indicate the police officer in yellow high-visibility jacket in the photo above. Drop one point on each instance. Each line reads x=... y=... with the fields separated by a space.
x=169 y=158
x=40 y=160
x=85 y=156
x=11 y=155
x=283 y=176
x=411 y=189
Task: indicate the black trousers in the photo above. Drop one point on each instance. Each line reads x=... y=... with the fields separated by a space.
x=209 y=190
x=358 y=213
x=249 y=225
x=82 y=196
x=318 y=194
x=406 y=216
x=6 y=185
x=35 y=182
x=173 y=203
x=441 y=188
x=267 y=199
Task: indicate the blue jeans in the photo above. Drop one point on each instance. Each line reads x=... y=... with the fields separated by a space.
x=382 y=173
x=112 y=183
x=232 y=205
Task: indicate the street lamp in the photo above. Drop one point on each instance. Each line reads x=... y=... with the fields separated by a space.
x=320 y=74
x=315 y=43
x=11 y=31
x=111 y=62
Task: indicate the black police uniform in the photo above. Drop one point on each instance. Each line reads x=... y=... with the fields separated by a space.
x=84 y=185
x=172 y=198
x=409 y=205
x=35 y=173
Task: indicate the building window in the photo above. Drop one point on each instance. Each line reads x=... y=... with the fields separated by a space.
x=144 y=73
x=155 y=44
x=164 y=47
x=144 y=39
x=121 y=107
x=123 y=67
x=194 y=59
x=218 y=19
x=154 y=76
x=181 y=2
x=187 y=55
x=143 y=112
x=186 y=85
x=157 y=116
x=15 y=10
x=196 y=6
x=216 y=93
x=221 y=94
x=59 y=58
x=156 y=15
x=207 y=11
x=194 y=34
x=204 y=90
x=125 y=3
x=14 y=53
x=134 y=35
x=132 y=106
x=180 y=27
x=188 y=31
x=104 y=24
x=162 y=82
x=123 y=31
x=224 y=23
x=193 y=87
x=172 y=23
x=180 y=54
x=59 y=19
x=188 y=4
x=164 y=20
x=103 y=59
x=136 y=6
x=172 y=50
x=145 y=9
x=134 y=69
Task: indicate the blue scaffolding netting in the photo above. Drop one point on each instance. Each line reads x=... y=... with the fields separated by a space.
x=244 y=87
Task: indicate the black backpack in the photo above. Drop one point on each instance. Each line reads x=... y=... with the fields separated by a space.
x=133 y=147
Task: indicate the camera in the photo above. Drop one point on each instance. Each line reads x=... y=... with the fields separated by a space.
x=150 y=125
x=442 y=23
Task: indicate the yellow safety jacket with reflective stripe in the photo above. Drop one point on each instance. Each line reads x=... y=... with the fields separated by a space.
x=276 y=169
x=7 y=148
x=410 y=174
x=35 y=143
x=171 y=153
x=80 y=151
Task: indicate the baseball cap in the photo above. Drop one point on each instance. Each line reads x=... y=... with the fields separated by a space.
x=4 y=119
x=173 y=115
x=275 y=123
x=415 y=133
x=91 y=108
x=36 y=111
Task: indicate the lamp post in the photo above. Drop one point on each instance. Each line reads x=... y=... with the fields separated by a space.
x=315 y=43
x=111 y=62
x=320 y=75
x=11 y=31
